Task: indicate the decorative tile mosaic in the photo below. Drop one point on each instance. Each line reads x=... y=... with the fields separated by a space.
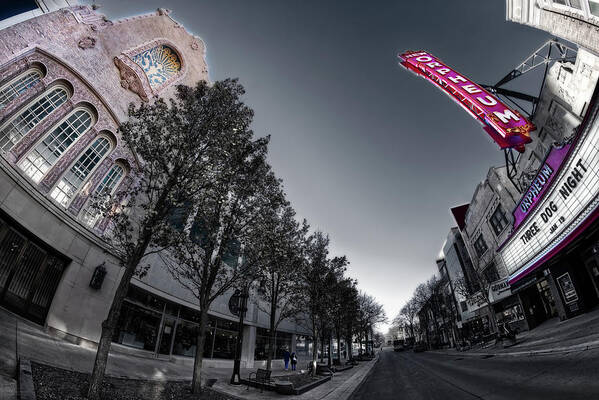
x=159 y=64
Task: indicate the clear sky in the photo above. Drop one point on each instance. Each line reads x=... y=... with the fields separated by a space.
x=368 y=152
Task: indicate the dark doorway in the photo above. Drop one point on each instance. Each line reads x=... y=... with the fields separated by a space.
x=533 y=306
x=29 y=272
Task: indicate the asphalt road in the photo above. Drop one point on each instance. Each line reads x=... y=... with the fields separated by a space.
x=408 y=375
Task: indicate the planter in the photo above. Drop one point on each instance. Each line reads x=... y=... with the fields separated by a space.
x=311 y=385
x=284 y=387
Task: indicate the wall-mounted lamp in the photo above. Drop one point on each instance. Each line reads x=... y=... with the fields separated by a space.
x=98 y=277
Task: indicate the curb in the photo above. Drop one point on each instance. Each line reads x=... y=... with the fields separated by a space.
x=366 y=376
x=222 y=392
x=26 y=387
x=529 y=353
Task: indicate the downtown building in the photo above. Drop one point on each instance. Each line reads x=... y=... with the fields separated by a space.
x=533 y=239
x=67 y=76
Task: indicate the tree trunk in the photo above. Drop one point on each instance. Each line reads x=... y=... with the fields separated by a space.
x=314 y=349
x=322 y=349
x=338 y=346
x=329 y=362
x=359 y=341
x=348 y=346
x=315 y=338
x=109 y=325
x=271 y=336
x=196 y=383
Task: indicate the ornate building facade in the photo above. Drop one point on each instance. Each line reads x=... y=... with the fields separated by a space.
x=67 y=76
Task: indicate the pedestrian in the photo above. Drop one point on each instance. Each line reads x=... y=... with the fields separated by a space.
x=293 y=361
x=286 y=356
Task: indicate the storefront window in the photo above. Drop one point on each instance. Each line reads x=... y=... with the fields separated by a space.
x=510 y=314
x=138 y=327
x=261 y=349
x=282 y=342
x=225 y=340
x=186 y=338
x=303 y=346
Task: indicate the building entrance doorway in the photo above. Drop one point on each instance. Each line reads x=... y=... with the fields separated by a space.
x=167 y=335
x=547 y=298
x=29 y=273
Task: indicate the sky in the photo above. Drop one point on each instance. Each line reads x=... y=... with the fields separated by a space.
x=368 y=152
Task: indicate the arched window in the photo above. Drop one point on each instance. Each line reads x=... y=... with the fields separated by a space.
x=69 y=184
x=53 y=146
x=21 y=83
x=160 y=63
x=16 y=128
x=90 y=215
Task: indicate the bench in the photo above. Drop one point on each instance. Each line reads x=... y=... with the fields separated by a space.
x=261 y=377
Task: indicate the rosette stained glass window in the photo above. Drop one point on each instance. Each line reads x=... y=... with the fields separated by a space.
x=159 y=63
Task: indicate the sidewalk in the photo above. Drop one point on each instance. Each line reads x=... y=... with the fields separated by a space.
x=553 y=336
x=340 y=387
x=21 y=338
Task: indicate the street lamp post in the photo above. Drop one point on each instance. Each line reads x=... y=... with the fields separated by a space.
x=238 y=306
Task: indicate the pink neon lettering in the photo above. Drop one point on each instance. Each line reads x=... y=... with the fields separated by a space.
x=424 y=59
x=457 y=79
x=433 y=64
x=443 y=71
x=487 y=100
x=506 y=116
x=471 y=89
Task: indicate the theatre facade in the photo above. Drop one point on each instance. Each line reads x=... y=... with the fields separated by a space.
x=555 y=234
x=66 y=80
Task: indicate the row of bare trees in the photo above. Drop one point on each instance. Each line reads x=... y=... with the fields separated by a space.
x=434 y=306
x=201 y=191
x=430 y=310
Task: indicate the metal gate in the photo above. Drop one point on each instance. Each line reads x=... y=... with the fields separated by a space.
x=29 y=273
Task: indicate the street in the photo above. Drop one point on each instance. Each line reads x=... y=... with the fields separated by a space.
x=408 y=375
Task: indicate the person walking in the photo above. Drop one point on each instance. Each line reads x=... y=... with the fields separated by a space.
x=286 y=356
x=293 y=361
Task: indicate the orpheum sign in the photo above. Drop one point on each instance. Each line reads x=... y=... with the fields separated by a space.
x=539 y=185
x=560 y=203
x=506 y=126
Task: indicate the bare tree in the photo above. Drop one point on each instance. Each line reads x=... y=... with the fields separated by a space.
x=481 y=296
x=408 y=314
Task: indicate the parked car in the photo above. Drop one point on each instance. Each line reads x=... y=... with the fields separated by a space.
x=398 y=345
x=419 y=347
